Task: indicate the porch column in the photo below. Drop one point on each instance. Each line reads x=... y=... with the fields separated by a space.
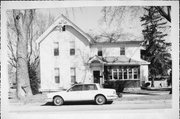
x=143 y=74
x=102 y=73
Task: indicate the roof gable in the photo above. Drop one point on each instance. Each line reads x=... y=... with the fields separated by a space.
x=61 y=21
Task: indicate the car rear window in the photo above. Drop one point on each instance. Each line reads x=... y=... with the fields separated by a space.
x=90 y=87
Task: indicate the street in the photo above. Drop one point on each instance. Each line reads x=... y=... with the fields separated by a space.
x=70 y=107
x=89 y=110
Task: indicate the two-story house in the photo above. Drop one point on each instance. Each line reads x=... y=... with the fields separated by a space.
x=69 y=55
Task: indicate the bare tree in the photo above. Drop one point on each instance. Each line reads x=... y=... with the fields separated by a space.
x=36 y=27
x=22 y=22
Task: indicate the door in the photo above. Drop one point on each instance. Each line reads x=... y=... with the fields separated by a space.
x=89 y=92
x=74 y=93
x=96 y=75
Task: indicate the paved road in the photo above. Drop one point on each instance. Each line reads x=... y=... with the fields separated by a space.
x=117 y=110
x=117 y=105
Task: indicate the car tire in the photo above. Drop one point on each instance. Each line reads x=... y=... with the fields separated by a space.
x=100 y=100
x=58 y=101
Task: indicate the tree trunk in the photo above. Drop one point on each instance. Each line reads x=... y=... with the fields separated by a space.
x=22 y=21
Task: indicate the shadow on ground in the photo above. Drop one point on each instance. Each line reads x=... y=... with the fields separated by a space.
x=72 y=103
x=134 y=93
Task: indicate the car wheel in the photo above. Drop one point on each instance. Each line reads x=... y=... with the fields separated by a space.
x=100 y=99
x=58 y=101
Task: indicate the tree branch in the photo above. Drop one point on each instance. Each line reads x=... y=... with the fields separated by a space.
x=163 y=13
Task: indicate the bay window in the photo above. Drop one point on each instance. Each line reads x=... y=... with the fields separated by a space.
x=123 y=72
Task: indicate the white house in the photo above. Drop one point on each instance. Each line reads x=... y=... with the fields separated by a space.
x=69 y=55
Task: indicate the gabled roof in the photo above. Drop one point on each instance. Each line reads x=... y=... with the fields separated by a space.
x=56 y=23
x=96 y=58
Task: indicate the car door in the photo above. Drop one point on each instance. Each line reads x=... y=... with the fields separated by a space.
x=89 y=91
x=73 y=94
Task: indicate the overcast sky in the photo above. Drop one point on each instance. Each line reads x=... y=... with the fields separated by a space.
x=89 y=19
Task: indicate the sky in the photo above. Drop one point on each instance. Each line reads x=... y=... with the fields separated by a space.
x=89 y=19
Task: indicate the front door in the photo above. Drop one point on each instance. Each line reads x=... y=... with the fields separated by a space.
x=96 y=75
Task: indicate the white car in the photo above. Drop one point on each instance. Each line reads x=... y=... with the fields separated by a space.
x=83 y=92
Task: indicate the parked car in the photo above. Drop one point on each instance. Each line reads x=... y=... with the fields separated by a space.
x=83 y=92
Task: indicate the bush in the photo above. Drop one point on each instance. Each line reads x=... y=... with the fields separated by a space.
x=34 y=80
x=117 y=85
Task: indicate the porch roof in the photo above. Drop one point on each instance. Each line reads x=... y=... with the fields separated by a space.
x=120 y=60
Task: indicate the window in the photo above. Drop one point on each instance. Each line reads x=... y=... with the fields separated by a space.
x=90 y=87
x=115 y=74
x=73 y=75
x=99 y=52
x=76 y=88
x=130 y=73
x=56 y=75
x=123 y=72
x=64 y=28
x=122 y=50
x=120 y=74
x=56 y=48
x=72 y=47
x=135 y=73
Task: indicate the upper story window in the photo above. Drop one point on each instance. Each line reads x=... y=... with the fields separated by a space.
x=122 y=50
x=56 y=48
x=57 y=75
x=99 y=53
x=72 y=47
x=64 y=28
